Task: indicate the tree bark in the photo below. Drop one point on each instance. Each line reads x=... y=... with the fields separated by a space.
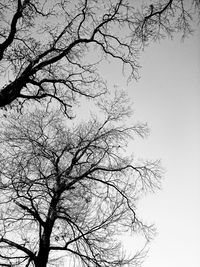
x=43 y=255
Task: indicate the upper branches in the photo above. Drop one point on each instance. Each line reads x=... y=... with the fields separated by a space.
x=51 y=50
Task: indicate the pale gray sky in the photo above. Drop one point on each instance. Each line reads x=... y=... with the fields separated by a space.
x=168 y=98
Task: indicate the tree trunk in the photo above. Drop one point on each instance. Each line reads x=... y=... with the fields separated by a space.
x=43 y=255
x=42 y=259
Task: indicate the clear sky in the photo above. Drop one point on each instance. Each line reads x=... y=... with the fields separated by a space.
x=167 y=97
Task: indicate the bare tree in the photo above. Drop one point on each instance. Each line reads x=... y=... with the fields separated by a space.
x=70 y=191
x=51 y=49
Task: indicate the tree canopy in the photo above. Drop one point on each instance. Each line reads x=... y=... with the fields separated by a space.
x=50 y=50
x=68 y=188
x=71 y=190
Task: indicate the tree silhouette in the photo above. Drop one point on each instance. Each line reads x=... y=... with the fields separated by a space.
x=50 y=50
x=70 y=190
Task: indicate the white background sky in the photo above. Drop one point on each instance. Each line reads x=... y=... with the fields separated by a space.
x=167 y=97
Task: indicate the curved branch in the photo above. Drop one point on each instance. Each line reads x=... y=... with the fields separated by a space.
x=33 y=213
x=117 y=189
x=13 y=27
x=19 y=247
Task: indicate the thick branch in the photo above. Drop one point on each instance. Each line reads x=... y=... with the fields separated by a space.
x=31 y=212
x=159 y=12
x=13 y=28
x=19 y=247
